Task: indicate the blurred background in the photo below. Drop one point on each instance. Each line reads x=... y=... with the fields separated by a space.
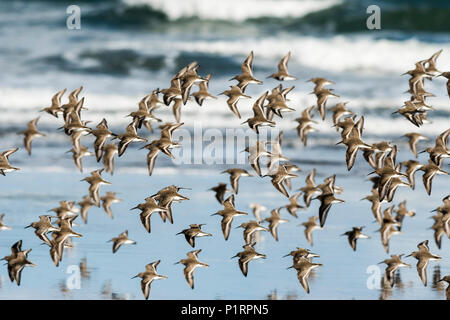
x=127 y=48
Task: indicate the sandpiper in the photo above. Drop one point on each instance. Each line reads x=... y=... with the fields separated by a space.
x=148 y=276
x=55 y=108
x=66 y=209
x=278 y=178
x=277 y=101
x=413 y=139
x=447 y=291
x=402 y=212
x=320 y=83
x=259 y=119
x=234 y=94
x=85 y=204
x=79 y=154
x=276 y=154
x=176 y=109
x=293 y=205
x=235 y=174
x=310 y=226
x=423 y=256
x=353 y=235
x=430 y=64
x=395 y=183
x=43 y=227
x=393 y=264
x=154 y=148
x=147 y=209
x=68 y=108
x=283 y=74
x=388 y=227
x=128 y=137
x=386 y=173
x=340 y=110
x=73 y=123
x=439 y=229
x=60 y=237
x=255 y=153
x=202 y=94
x=412 y=112
x=277 y=105
x=173 y=92
x=17 y=261
x=95 y=180
x=228 y=213
x=249 y=230
x=220 y=191
x=5 y=167
x=290 y=169
x=376 y=205
x=108 y=200
x=274 y=220
x=189 y=77
x=246 y=256
x=120 y=240
x=246 y=77
x=440 y=151
x=304 y=268
x=310 y=189
x=108 y=157
x=430 y=170
x=301 y=253
x=101 y=134
x=347 y=125
x=412 y=167
x=143 y=116
x=15 y=248
x=194 y=231
x=326 y=200
x=191 y=263
x=30 y=133
x=353 y=143
x=322 y=98
x=163 y=144
x=166 y=197
x=256 y=210
x=2 y=225
x=304 y=125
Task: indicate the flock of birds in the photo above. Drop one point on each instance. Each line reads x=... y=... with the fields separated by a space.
x=387 y=174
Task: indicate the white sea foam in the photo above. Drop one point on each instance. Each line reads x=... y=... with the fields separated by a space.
x=234 y=10
x=337 y=53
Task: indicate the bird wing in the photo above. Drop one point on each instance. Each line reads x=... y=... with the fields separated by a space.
x=226 y=226
x=248 y=64
x=283 y=64
x=422 y=270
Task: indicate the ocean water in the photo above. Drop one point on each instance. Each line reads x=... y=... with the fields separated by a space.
x=127 y=48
